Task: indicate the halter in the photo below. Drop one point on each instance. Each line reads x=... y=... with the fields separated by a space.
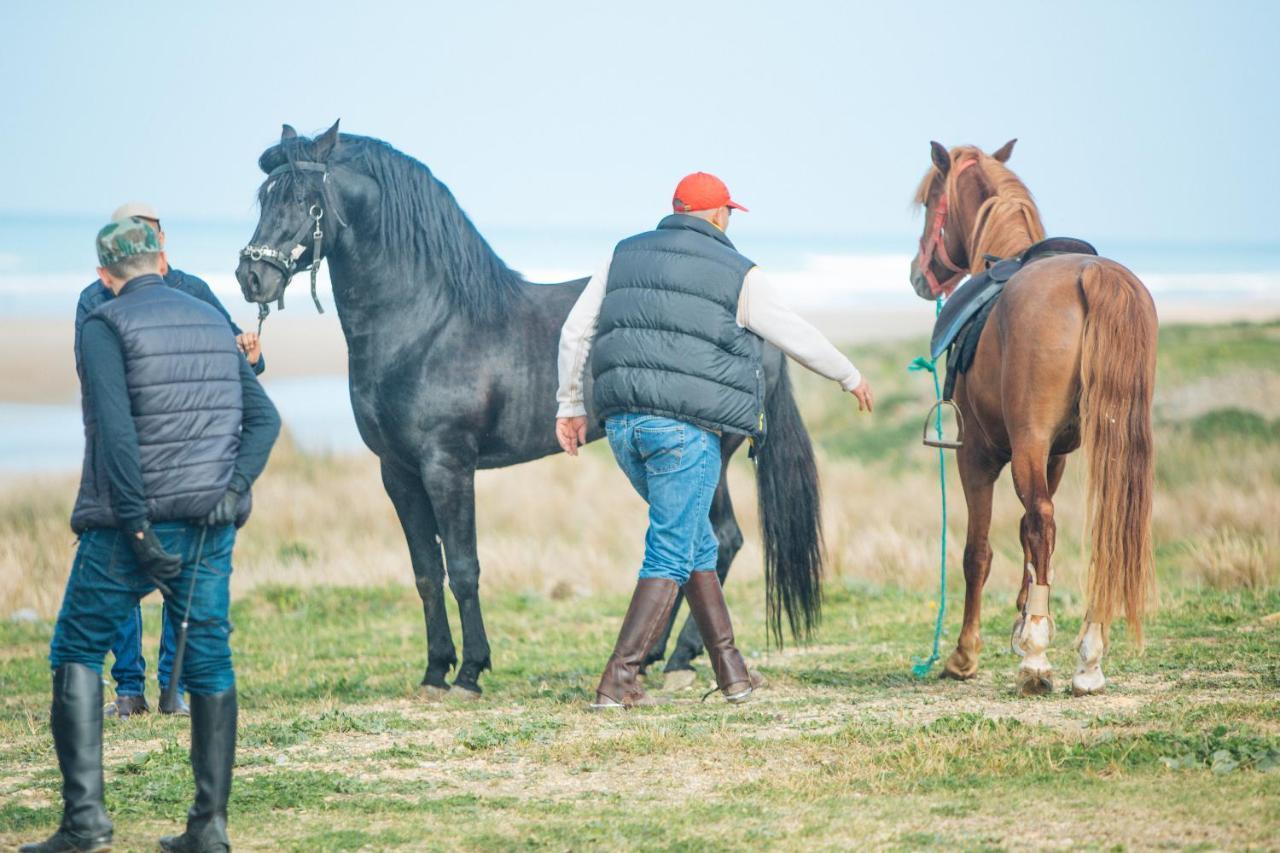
x=287 y=264
x=934 y=245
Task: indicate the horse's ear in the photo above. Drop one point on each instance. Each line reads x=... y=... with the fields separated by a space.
x=324 y=144
x=287 y=132
x=1005 y=150
x=941 y=157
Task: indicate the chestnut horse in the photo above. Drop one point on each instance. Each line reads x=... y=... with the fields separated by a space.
x=1066 y=360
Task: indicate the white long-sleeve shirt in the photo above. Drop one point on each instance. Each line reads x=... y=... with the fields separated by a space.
x=760 y=309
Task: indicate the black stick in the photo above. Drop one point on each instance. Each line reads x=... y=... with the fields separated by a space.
x=169 y=698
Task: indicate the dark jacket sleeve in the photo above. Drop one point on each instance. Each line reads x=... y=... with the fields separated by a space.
x=198 y=288
x=108 y=395
x=259 y=426
x=84 y=306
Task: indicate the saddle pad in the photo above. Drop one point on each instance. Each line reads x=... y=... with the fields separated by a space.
x=962 y=351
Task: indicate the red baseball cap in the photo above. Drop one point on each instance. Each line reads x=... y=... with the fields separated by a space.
x=701 y=191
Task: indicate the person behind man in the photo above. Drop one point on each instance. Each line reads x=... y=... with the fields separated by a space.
x=130 y=668
x=676 y=317
x=177 y=428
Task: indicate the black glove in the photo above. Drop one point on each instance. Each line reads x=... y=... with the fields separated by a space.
x=159 y=564
x=226 y=510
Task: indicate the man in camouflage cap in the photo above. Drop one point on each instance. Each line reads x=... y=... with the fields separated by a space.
x=130 y=668
x=176 y=430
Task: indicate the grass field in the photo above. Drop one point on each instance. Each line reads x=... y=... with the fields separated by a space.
x=844 y=749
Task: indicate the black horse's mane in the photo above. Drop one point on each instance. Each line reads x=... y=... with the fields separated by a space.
x=419 y=220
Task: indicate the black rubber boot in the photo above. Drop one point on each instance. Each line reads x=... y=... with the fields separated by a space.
x=213 y=752
x=76 y=719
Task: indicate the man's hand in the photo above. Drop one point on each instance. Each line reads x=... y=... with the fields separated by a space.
x=571 y=433
x=159 y=564
x=863 y=393
x=225 y=511
x=250 y=345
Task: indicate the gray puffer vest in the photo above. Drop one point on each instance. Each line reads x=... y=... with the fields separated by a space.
x=182 y=368
x=668 y=341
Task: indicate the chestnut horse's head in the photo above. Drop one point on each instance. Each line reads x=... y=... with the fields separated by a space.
x=949 y=204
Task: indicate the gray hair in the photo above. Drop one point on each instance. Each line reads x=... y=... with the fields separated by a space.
x=135 y=265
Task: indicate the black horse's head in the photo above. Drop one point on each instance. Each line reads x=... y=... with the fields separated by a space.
x=299 y=217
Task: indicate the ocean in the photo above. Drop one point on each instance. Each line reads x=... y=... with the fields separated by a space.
x=46 y=260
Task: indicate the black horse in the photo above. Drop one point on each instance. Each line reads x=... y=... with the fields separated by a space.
x=452 y=362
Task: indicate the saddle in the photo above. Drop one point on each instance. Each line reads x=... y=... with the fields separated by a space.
x=964 y=315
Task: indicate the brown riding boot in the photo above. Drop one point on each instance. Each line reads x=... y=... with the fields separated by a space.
x=706 y=600
x=650 y=607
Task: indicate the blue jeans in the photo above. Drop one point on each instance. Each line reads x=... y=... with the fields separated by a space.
x=106 y=584
x=675 y=467
x=130 y=669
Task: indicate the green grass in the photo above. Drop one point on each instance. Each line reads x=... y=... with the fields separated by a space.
x=845 y=747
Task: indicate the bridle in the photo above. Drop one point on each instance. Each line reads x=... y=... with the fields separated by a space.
x=287 y=263
x=933 y=245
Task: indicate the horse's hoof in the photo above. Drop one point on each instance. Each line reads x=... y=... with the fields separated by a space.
x=961 y=666
x=432 y=693
x=459 y=693
x=680 y=679
x=1088 y=683
x=1035 y=682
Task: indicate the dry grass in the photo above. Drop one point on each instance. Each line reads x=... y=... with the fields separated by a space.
x=1228 y=560
x=574 y=527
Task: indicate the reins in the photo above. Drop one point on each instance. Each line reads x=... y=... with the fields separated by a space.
x=287 y=263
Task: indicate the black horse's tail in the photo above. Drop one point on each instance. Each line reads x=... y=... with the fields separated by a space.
x=790 y=516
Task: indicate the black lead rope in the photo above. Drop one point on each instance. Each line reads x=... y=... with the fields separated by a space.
x=317 y=240
x=169 y=699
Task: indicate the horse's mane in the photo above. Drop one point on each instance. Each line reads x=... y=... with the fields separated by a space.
x=418 y=219
x=1007 y=223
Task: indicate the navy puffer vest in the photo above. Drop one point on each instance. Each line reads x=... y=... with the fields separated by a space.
x=182 y=368
x=668 y=341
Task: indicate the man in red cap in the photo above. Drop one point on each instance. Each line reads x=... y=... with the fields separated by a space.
x=674 y=323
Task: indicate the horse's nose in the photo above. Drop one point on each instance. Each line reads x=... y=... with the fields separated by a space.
x=254 y=283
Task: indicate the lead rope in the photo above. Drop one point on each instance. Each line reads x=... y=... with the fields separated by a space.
x=317 y=240
x=920 y=667
x=169 y=698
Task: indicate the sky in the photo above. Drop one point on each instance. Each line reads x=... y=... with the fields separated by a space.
x=1145 y=122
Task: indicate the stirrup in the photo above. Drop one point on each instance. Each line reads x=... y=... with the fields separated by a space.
x=929 y=422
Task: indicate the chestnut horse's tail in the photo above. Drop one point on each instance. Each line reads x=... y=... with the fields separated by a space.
x=1117 y=376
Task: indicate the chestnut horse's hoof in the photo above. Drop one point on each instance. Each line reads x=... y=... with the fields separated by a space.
x=1035 y=682
x=1092 y=644
x=961 y=666
x=1088 y=684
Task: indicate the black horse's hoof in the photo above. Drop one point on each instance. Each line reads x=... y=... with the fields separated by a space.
x=432 y=693
x=679 y=679
x=465 y=692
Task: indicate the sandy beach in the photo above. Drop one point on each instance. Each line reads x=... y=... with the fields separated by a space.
x=37 y=363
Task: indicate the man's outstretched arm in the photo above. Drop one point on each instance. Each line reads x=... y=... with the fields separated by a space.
x=762 y=310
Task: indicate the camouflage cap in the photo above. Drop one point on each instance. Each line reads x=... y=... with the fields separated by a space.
x=126 y=238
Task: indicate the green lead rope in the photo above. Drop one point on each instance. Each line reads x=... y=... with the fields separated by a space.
x=920 y=667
